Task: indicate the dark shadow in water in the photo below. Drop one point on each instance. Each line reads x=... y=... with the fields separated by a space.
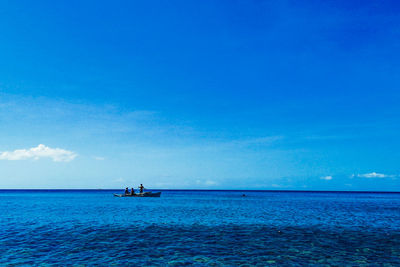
x=198 y=245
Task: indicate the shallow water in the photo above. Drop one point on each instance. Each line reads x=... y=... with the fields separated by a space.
x=214 y=228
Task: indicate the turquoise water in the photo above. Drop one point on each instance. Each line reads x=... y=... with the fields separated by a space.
x=201 y=228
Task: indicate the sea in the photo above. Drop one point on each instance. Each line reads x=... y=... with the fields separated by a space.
x=199 y=228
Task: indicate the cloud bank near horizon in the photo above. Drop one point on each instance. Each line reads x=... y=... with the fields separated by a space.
x=327 y=178
x=374 y=175
x=41 y=151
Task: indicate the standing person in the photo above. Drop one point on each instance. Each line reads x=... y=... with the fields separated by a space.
x=141 y=188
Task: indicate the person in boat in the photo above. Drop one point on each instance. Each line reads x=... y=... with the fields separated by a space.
x=132 y=192
x=126 y=191
x=141 y=188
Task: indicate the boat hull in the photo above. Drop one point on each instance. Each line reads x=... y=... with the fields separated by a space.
x=146 y=194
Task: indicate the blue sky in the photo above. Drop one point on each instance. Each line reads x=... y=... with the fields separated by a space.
x=208 y=94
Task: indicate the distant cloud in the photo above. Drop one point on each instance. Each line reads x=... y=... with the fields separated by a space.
x=374 y=175
x=206 y=182
x=280 y=185
x=210 y=182
x=99 y=158
x=41 y=151
x=327 y=178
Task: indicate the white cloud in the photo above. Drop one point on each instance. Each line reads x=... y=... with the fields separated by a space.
x=206 y=182
x=328 y=178
x=41 y=151
x=210 y=182
x=374 y=175
x=99 y=158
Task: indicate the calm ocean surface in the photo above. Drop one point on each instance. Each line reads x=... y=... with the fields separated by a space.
x=201 y=228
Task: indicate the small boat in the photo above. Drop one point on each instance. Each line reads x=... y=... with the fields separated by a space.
x=145 y=194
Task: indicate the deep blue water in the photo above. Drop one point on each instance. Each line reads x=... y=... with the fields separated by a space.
x=201 y=228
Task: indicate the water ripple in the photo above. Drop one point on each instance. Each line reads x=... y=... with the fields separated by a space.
x=199 y=245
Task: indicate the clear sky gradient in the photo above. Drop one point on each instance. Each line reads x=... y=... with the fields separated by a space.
x=200 y=94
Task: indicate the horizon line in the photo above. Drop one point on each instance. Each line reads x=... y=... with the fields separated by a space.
x=246 y=190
